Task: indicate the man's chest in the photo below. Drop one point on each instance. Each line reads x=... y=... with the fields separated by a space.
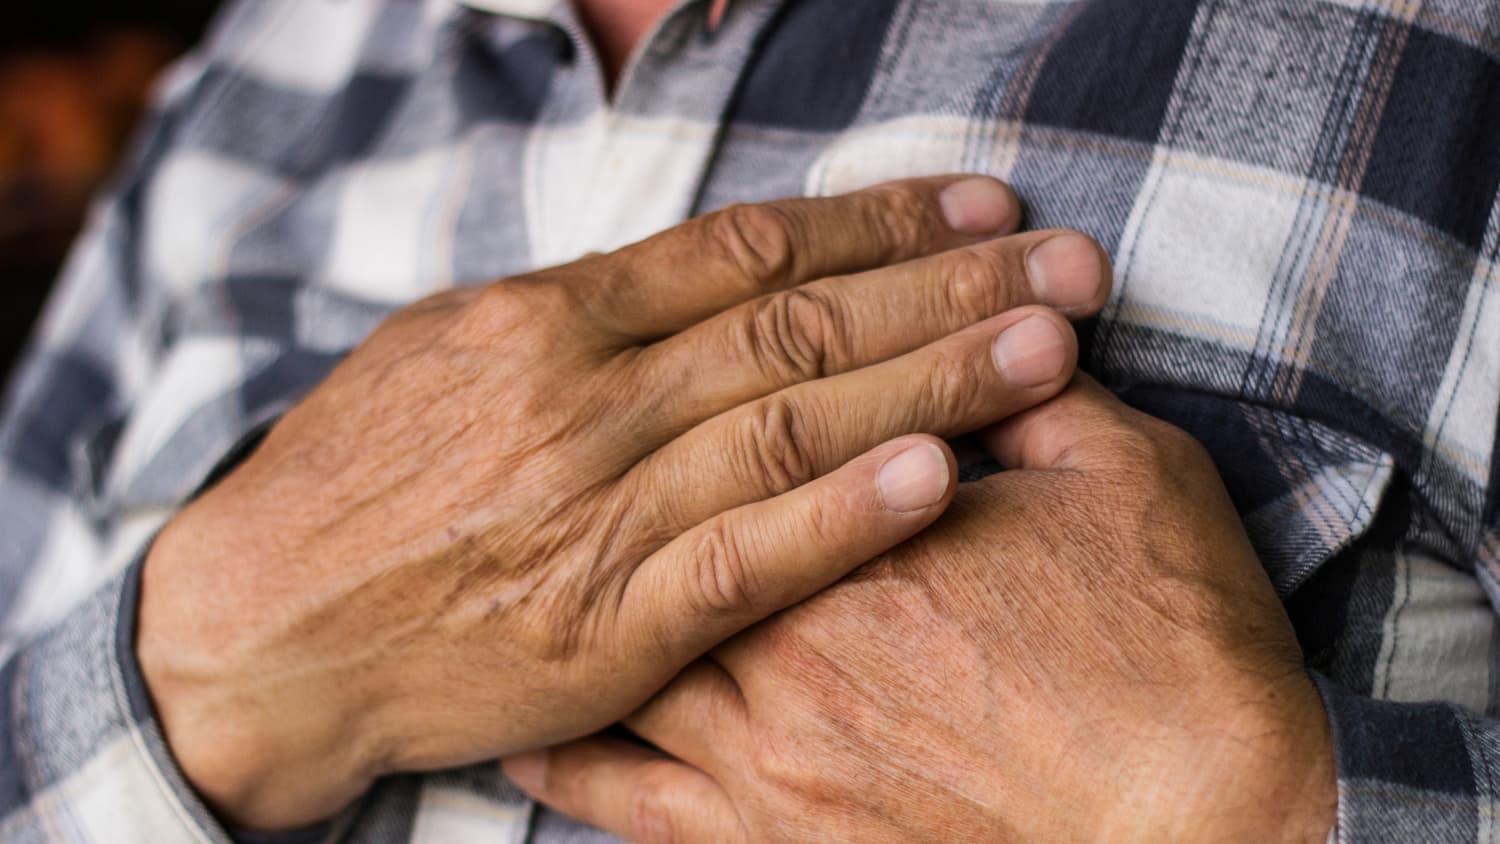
x=1299 y=198
x=1297 y=282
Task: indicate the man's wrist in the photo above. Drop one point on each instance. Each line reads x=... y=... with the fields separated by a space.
x=262 y=757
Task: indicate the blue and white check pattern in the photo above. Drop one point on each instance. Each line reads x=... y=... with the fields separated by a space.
x=1300 y=195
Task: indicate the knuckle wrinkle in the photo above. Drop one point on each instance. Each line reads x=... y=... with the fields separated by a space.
x=951 y=388
x=973 y=285
x=777 y=446
x=758 y=241
x=896 y=220
x=721 y=577
x=790 y=336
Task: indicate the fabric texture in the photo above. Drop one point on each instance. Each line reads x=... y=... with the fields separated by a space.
x=1300 y=197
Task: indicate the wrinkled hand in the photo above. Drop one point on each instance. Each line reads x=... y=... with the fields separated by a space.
x=516 y=511
x=1085 y=649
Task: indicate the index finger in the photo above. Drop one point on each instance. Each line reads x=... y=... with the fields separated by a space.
x=628 y=790
x=1085 y=426
x=678 y=278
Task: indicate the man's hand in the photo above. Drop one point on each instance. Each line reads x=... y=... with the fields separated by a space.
x=1085 y=649
x=516 y=511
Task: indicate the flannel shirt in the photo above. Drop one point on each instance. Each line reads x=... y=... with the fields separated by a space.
x=1299 y=195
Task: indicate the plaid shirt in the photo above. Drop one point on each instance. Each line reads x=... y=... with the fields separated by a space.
x=1300 y=196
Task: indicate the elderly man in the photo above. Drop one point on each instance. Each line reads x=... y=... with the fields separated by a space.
x=701 y=485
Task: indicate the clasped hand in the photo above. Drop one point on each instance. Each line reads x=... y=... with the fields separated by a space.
x=518 y=510
x=1085 y=648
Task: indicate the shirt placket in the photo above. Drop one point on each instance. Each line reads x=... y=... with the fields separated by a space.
x=602 y=171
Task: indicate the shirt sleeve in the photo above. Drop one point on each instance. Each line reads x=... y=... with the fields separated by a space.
x=81 y=756
x=1412 y=771
x=1420 y=770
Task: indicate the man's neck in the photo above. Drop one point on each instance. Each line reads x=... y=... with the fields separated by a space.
x=617 y=26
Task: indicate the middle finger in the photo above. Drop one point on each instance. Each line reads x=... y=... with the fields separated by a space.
x=843 y=323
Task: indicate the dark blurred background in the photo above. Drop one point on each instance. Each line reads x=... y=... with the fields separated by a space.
x=74 y=79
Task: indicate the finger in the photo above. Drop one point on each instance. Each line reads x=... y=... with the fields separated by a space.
x=839 y=324
x=959 y=384
x=747 y=563
x=699 y=718
x=628 y=790
x=682 y=276
x=1086 y=426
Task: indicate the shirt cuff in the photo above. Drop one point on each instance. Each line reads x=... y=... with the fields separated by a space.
x=87 y=758
x=90 y=757
x=144 y=713
x=1406 y=771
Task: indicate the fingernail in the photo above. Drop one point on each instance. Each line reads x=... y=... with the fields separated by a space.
x=528 y=771
x=1030 y=353
x=978 y=206
x=1065 y=271
x=915 y=479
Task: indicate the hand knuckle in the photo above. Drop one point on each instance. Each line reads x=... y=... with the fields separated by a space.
x=722 y=578
x=776 y=449
x=498 y=306
x=1185 y=463
x=507 y=309
x=757 y=239
x=1132 y=448
x=1179 y=447
x=974 y=284
x=951 y=386
x=778 y=768
x=792 y=335
x=897 y=214
x=650 y=817
x=1157 y=456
